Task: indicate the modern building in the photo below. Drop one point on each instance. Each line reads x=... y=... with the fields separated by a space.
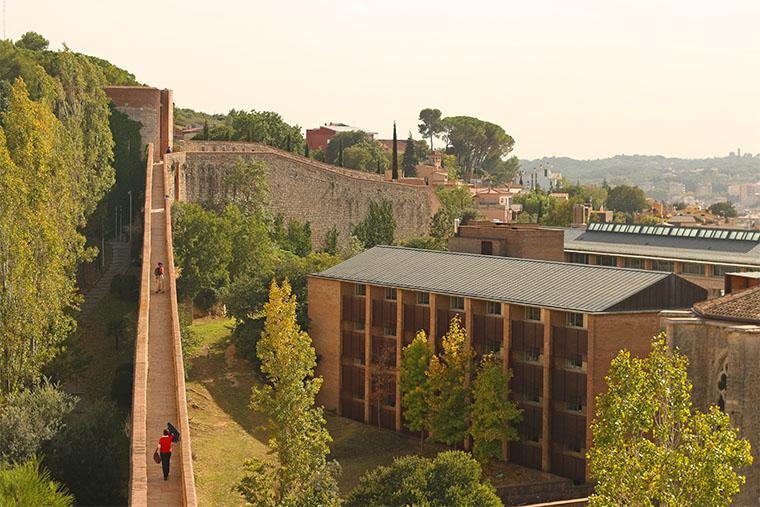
x=525 y=241
x=701 y=255
x=721 y=338
x=556 y=325
x=318 y=138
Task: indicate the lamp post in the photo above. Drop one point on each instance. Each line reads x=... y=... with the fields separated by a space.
x=130 y=216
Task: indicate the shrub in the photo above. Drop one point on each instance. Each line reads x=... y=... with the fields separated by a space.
x=121 y=386
x=30 y=484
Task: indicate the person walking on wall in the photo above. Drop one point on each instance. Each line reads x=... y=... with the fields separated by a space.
x=159 y=273
x=165 y=449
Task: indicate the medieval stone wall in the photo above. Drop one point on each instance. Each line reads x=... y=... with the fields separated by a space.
x=299 y=188
x=142 y=104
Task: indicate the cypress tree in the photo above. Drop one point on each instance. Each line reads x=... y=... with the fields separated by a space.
x=306 y=150
x=409 y=162
x=340 y=154
x=206 y=133
x=288 y=145
x=394 y=155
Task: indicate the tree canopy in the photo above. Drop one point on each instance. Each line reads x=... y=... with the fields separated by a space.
x=478 y=145
x=724 y=209
x=626 y=199
x=430 y=124
x=379 y=228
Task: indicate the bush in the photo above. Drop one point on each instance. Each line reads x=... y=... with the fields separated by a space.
x=30 y=484
x=121 y=386
x=126 y=286
x=31 y=417
x=245 y=337
x=452 y=478
x=116 y=283
x=91 y=455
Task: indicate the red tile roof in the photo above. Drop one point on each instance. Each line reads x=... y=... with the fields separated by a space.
x=742 y=306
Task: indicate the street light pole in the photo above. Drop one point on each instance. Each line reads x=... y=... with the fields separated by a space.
x=130 y=217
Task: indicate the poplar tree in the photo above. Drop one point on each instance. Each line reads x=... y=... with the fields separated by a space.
x=493 y=413
x=651 y=447
x=448 y=394
x=415 y=361
x=300 y=475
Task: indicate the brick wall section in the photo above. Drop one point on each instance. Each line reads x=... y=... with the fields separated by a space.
x=324 y=315
x=186 y=465
x=324 y=195
x=522 y=241
x=143 y=104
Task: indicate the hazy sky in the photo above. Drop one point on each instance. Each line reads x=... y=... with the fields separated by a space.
x=583 y=78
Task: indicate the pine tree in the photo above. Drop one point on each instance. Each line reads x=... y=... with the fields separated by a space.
x=448 y=394
x=298 y=438
x=410 y=161
x=493 y=414
x=415 y=361
x=394 y=155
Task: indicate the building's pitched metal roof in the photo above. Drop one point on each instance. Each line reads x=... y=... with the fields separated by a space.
x=557 y=285
x=721 y=251
x=742 y=306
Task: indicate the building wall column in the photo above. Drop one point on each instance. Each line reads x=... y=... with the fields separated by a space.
x=590 y=371
x=505 y=352
x=467 y=346
x=546 y=406
x=620 y=261
x=648 y=264
x=677 y=267
x=433 y=320
x=399 y=344
x=368 y=347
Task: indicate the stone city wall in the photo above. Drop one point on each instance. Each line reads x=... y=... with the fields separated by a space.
x=299 y=188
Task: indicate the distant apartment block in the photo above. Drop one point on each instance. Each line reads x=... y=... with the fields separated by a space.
x=556 y=325
x=318 y=138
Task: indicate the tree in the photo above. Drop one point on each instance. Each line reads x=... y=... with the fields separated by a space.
x=364 y=156
x=424 y=243
x=493 y=414
x=394 y=155
x=451 y=478
x=31 y=417
x=455 y=203
x=30 y=484
x=626 y=199
x=69 y=456
x=33 y=42
x=651 y=447
x=300 y=474
x=382 y=376
x=246 y=186
x=409 y=161
x=331 y=241
x=648 y=220
x=340 y=153
x=346 y=139
x=448 y=393
x=477 y=144
x=298 y=238
x=415 y=360
x=430 y=124
x=265 y=127
x=724 y=209
x=379 y=228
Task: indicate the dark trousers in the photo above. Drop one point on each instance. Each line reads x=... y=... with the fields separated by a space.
x=165 y=457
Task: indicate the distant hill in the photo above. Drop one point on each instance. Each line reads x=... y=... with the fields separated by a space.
x=654 y=173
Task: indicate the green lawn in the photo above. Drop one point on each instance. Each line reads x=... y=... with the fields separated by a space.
x=224 y=430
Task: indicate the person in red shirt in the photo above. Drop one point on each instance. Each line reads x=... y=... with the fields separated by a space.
x=165 y=449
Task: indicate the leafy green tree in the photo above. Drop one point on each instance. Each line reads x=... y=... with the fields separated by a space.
x=300 y=475
x=264 y=127
x=69 y=456
x=202 y=249
x=455 y=201
x=409 y=161
x=626 y=199
x=252 y=249
x=298 y=238
x=331 y=241
x=493 y=414
x=379 y=228
x=724 y=209
x=430 y=124
x=448 y=393
x=364 y=156
x=424 y=243
x=246 y=182
x=346 y=139
x=477 y=144
x=415 y=360
x=29 y=484
x=451 y=478
x=33 y=42
x=29 y=418
x=651 y=447
x=648 y=220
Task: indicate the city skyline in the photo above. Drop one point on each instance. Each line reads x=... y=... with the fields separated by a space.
x=590 y=80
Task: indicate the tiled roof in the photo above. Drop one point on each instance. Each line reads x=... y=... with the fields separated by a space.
x=664 y=247
x=742 y=306
x=556 y=285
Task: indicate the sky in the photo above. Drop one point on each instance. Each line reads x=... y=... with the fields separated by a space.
x=578 y=78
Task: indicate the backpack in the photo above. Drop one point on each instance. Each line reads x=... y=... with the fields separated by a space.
x=159 y=271
x=175 y=434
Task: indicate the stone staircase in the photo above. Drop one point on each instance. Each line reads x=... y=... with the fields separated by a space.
x=119 y=264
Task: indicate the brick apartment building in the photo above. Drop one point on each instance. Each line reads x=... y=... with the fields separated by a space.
x=525 y=241
x=556 y=325
x=318 y=138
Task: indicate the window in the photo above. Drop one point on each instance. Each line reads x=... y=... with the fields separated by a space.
x=360 y=289
x=692 y=268
x=532 y=313
x=533 y=395
x=486 y=248
x=423 y=298
x=606 y=260
x=575 y=405
x=578 y=258
x=574 y=319
x=532 y=354
x=720 y=271
x=575 y=362
x=456 y=303
x=390 y=293
x=494 y=308
x=660 y=265
x=634 y=263
x=389 y=330
x=358 y=325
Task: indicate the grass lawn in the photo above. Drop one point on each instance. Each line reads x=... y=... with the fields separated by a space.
x=224 y=430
